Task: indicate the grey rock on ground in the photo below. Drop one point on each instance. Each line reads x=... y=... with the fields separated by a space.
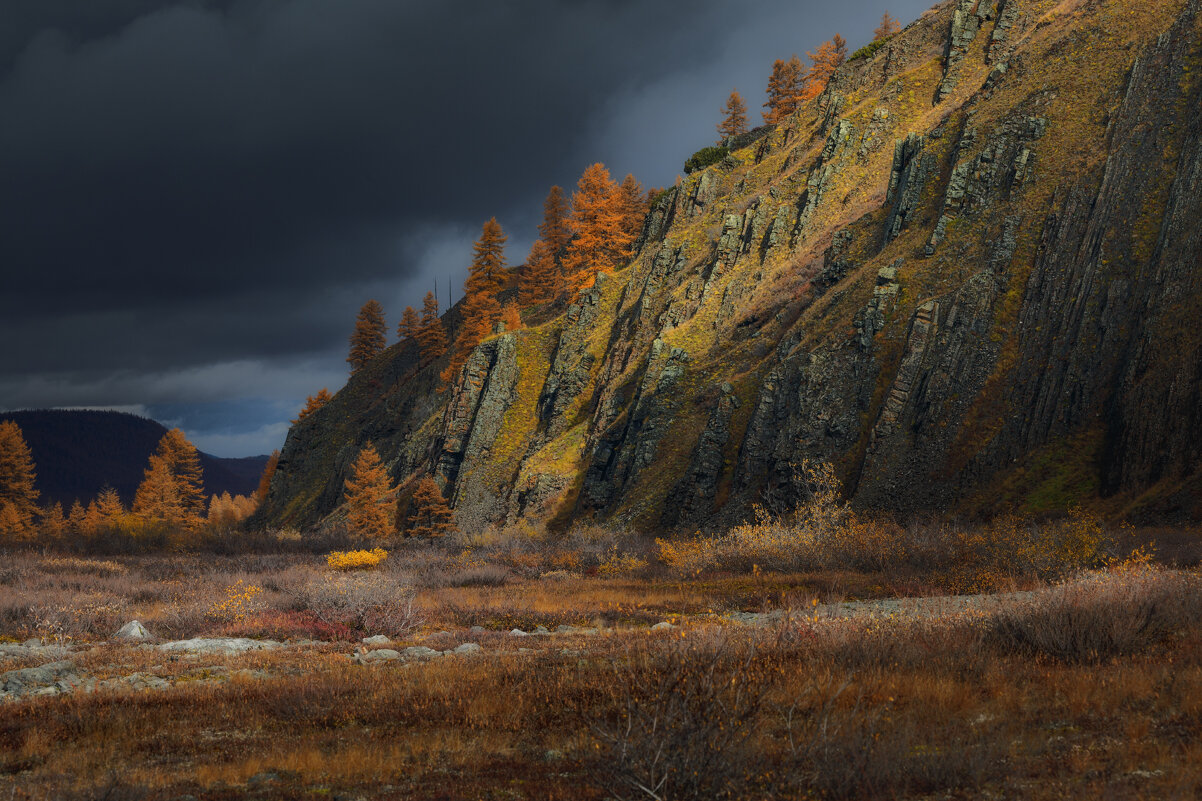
x=133 y=630
x=218 y=645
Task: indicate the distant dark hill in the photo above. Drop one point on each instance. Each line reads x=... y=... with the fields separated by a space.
x=78 y=452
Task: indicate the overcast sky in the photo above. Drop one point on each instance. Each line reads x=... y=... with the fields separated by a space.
x=196 y=196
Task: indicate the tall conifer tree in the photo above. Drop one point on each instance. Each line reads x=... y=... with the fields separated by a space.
x=602 y=235
x=540 y=281
x=734 y=116
x=431 y=337
x=18 y=491
x=430 y=515
x=554 y=229
x=370 y=507
x=480 y=309
x=369 y=337
x=784 y=89
x=410 y=324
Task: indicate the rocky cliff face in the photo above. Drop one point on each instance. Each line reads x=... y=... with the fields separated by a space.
x=965 y=275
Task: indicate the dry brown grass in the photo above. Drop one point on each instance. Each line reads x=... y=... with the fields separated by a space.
x=852 y=709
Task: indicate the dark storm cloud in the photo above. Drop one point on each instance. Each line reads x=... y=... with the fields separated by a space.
x=194 y=184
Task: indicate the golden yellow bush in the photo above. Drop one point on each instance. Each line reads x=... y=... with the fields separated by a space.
x=617 y=564
x=356 y=560
x=241 y=600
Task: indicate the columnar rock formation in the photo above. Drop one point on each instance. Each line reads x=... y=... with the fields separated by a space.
x=996 y=309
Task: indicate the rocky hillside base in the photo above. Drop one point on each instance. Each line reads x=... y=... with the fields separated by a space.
x=965 y=275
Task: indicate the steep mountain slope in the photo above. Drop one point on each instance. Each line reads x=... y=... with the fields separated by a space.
x=964 y=275
x=78 y=452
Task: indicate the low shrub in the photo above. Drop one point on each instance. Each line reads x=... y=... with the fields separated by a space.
x=678 y=724
x=1100 y=615
x=240 y=600
x=372 y=602
x=93 y=567
x=869 y=50
x=705 y=157
x=356 y=560
x=825 y=534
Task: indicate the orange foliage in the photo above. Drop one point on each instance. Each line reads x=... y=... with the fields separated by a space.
x=480 y=310
x=431 y=516
x=312 y=404
x=634 y=207
x=410 y=324
x=830 y=56
x=370 y=504
x=540 y=281
x=369 y=338
x=273 y=462
x=601 y=224
x=554 y=229
x=511 y=317
x=172 y=490
x=784 y=89
x=431 y=337
x=734 y=120
x=888 y=27
x=18 y=494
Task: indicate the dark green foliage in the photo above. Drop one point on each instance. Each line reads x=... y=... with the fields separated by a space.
x=869 y=50
x=704 y=158
x=657 y=195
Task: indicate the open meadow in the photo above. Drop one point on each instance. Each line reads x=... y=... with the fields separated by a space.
x=594 y=666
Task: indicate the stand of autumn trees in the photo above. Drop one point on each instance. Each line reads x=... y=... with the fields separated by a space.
x=371 y=503
x=169 y=499
x=792 y=84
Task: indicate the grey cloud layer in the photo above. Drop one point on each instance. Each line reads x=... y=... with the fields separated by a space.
x=196 y=182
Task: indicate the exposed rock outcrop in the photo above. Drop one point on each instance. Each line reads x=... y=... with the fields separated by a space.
x=946 y=322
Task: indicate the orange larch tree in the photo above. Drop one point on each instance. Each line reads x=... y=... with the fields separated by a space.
x=109 y=506
x=172 y=490
x=511 y=316
x=18 y=491
x=634 y=207
x=602 y=236
x=184 y=461
x=554 y=229
x=370 y=502
x=784 y=89
x=157 y=500
x=539 y=282
x=54 y=523
x=888 y=27
x=369 y=337
x=431 y=336
x=77 y=518
x=410 y=324
x=273 y=462
x=830 y=56
x=480 y=309
x=312 y=404
x=430 y=515
x=734 y=116
x=487 y=273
